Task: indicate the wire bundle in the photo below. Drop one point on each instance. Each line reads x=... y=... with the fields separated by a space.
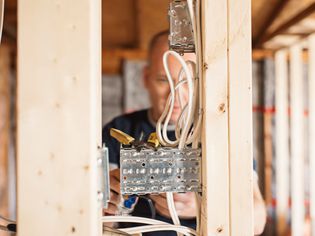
x=189 y=122
x=152 y=225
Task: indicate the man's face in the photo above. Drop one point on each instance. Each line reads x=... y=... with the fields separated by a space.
x=157 y=83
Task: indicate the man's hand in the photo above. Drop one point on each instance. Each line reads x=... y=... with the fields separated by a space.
x=185 y=205
x=114 y=193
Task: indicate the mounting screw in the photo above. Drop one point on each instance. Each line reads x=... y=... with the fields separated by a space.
x=220 y=230
x=100 y=196
x=222 y=108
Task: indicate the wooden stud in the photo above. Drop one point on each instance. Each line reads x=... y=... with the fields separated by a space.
x=215 y=122
x=59 y=117
x=282 y=141
x=240 y=117
x=4 y=130
x=297 y=140
x=227 y=132
x=311 y=80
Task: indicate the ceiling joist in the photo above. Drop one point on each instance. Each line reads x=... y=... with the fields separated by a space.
x=269 y=21
x=283 y=28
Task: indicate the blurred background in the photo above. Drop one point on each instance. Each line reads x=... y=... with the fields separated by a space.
x=127 y=27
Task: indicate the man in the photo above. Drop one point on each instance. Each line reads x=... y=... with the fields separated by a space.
x=142 y=123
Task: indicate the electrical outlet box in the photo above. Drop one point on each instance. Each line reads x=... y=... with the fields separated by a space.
x=157 y=171
x=181 y=38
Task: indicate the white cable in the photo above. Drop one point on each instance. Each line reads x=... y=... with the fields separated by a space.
x=153 y=228
x=154 y=225
x=198 y=211
x=163 y=137
x=181 y=141
x=1 y=18
x=198 y=117
x=172 y=209
x=132 y=219
x=7 y=219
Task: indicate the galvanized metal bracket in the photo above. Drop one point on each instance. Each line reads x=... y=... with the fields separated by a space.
x=103 y=192
x=166 y=170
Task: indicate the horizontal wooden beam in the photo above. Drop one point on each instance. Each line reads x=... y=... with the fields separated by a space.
x=113 y=58
x=260 y=54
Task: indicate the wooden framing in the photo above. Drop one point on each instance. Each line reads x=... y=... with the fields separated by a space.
x=215 y=102
x=297 y=140
x=311 y=80
x=5 y=101
x=269 y=21
x=59 y=118
x=240 y=117
x=286 y=25
x=112 y=59
x=282 y=141
x=227 y=128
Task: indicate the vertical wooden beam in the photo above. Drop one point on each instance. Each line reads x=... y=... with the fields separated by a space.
x=215 y=133
x=227 y=128
x=282 y=141
x=311 y=79
x=240 y=117
x=297 y=139
x=4 y=129
x=59 y=118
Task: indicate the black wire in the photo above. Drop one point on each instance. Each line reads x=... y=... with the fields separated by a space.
x=151 y=205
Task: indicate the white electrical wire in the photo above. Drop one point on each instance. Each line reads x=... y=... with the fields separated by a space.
x=198 y=50
x=172 y=209
x=7 y=219
x=1 y=17
x=189 y=122
x=163 y=137
x=153 y=225
x=153 y=228
x=166 y=115
x=132 y=219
